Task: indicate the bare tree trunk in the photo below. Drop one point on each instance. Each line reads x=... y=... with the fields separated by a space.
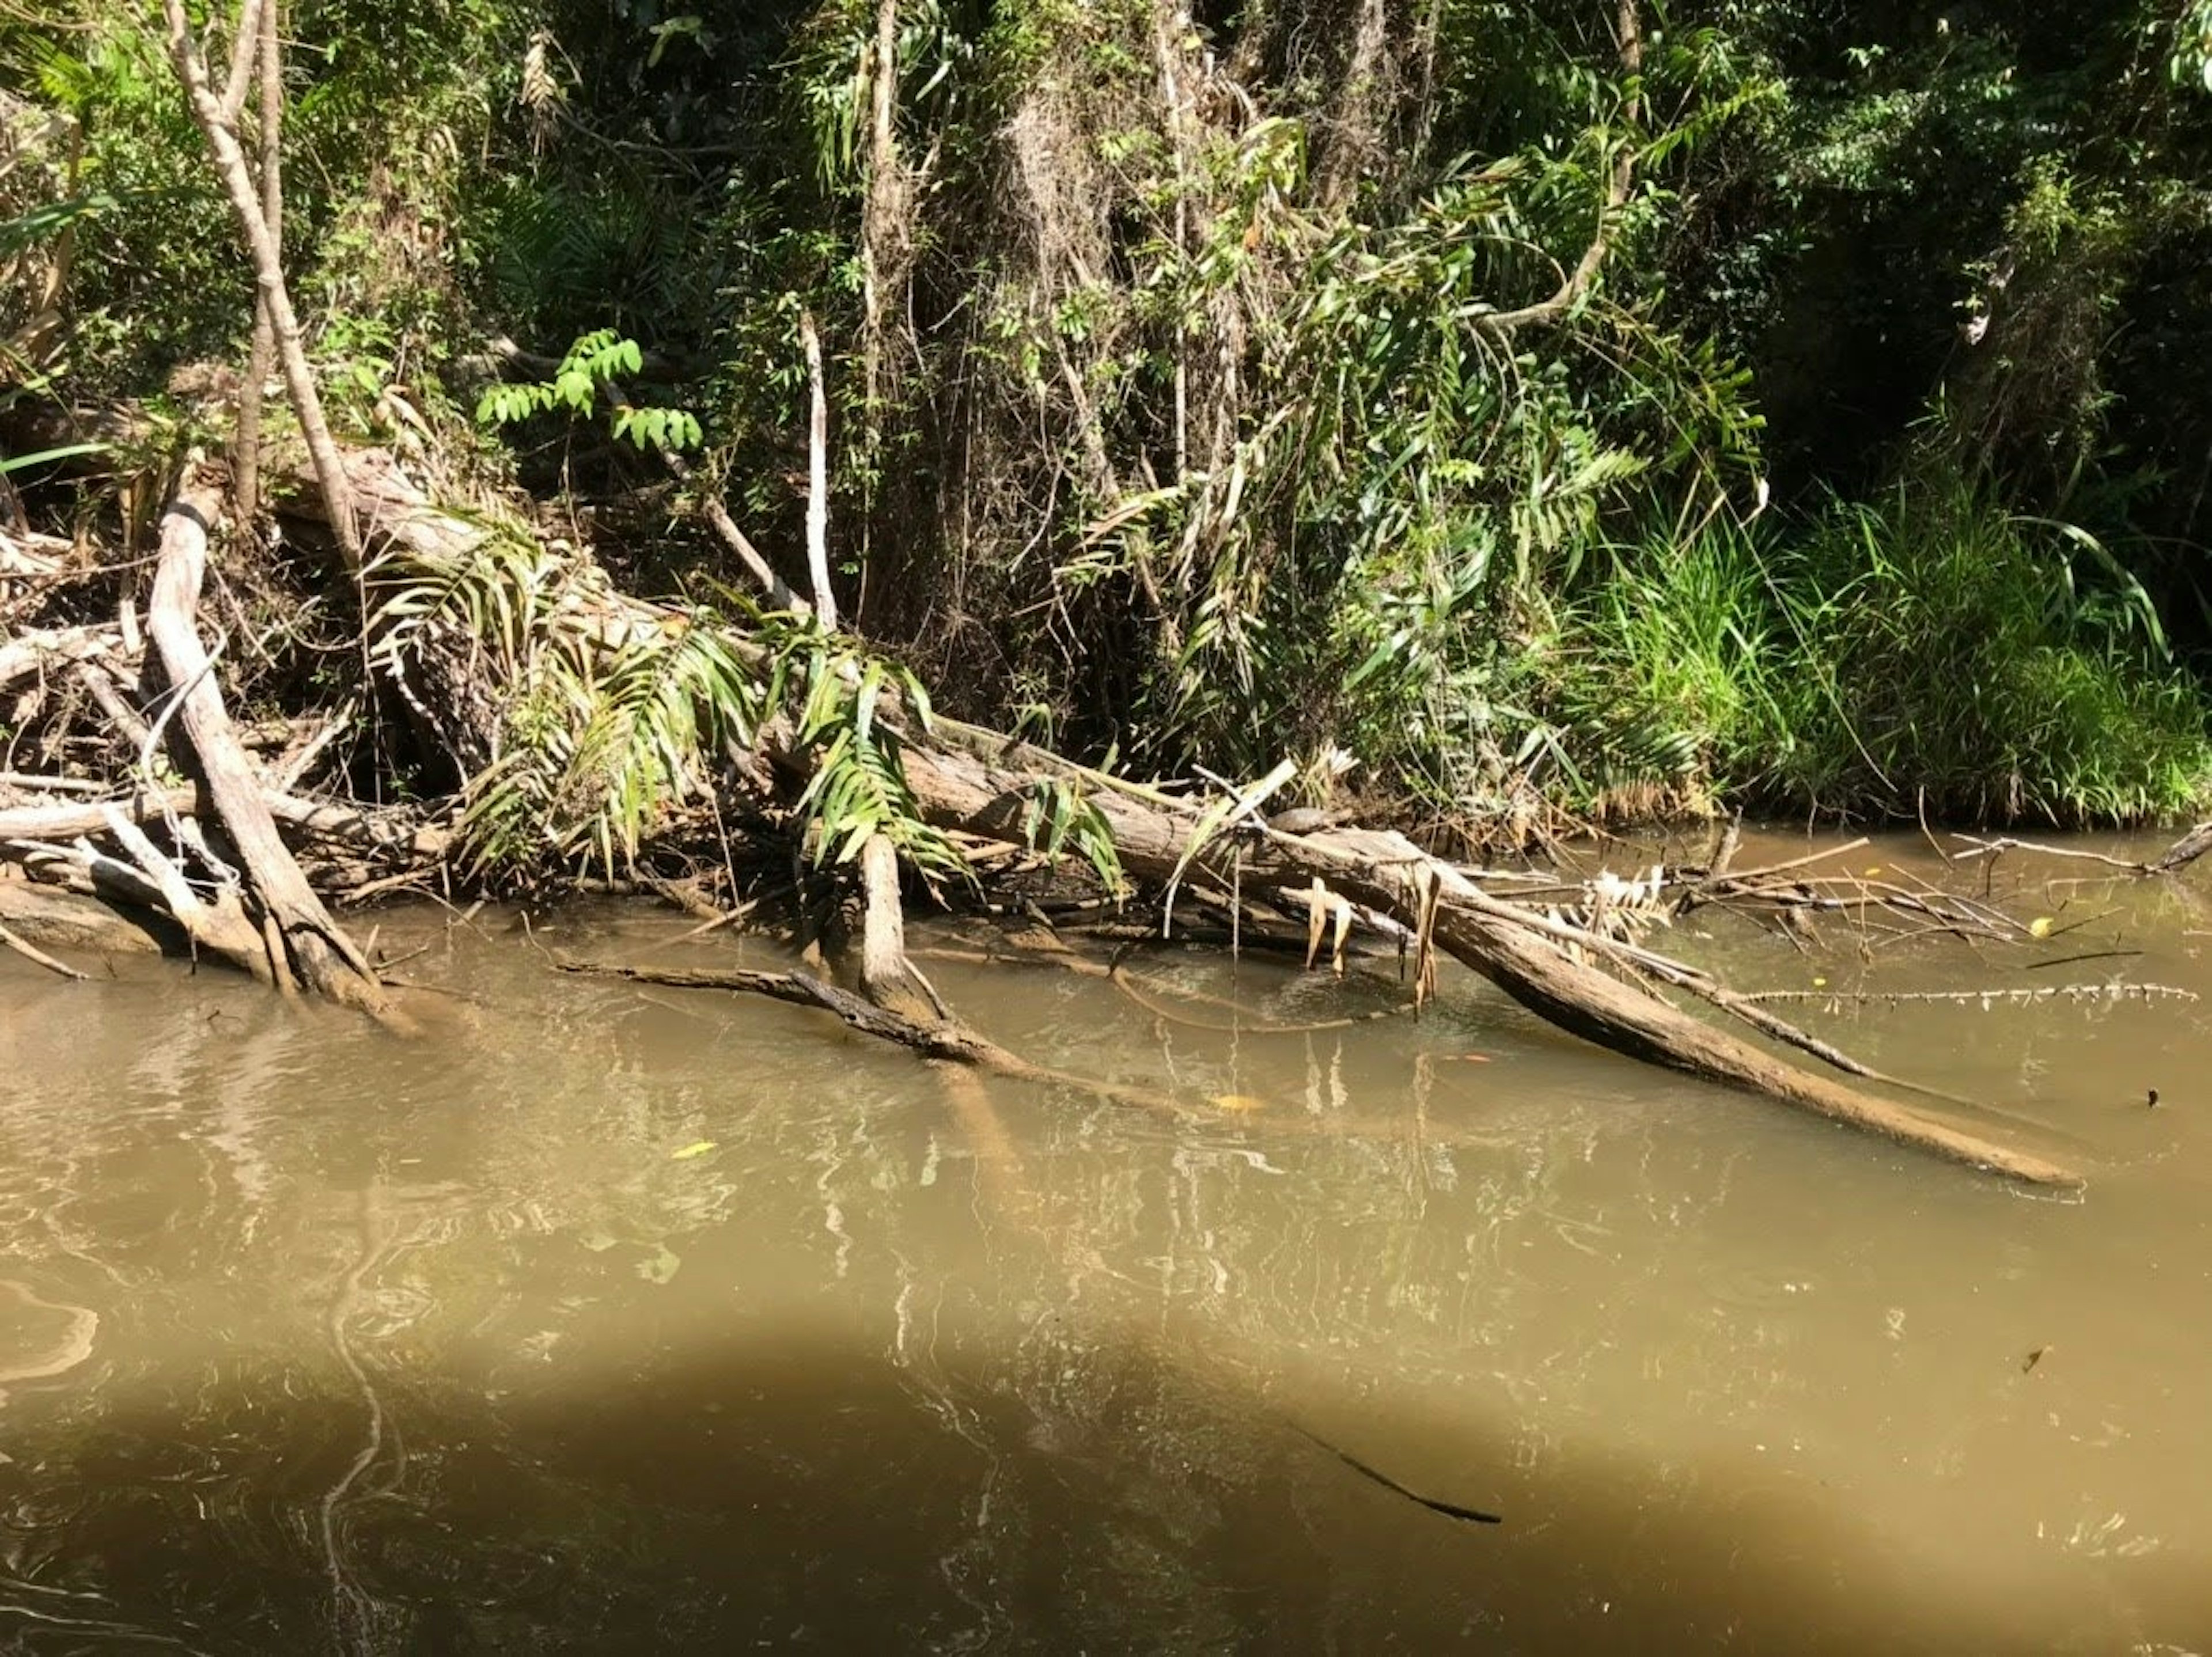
x=888 y=977
x=217 y=120
x=246 y=461
x=1355 y=130
x=817 y=479
x=882 y=218
x=307 y=946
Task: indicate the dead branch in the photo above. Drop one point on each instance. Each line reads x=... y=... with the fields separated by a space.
x=948 y=1039
x=1629 y=33
x=366 y=827
x=39 y=957
x=218 y=926
x=316 y=950
x=42 y=650
x=2179 y=855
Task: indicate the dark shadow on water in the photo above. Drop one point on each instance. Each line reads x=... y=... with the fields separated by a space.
x=1072 y=1494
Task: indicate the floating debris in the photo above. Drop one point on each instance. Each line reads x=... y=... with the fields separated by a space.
x=1987 y=998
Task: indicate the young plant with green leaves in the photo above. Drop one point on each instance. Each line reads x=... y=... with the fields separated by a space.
x=593 y=370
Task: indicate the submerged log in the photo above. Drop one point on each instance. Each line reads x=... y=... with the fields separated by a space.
x=962 y=791
x=946 y=1039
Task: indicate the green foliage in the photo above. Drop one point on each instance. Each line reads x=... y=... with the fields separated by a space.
x=587 y=372
x=1954 y=650
x=605 y=728
x=1058 y=816
x=2190 y=63
x=857 y=787
x=1931 y=652
x=149 y=285
x=610 y=723
x=1169 y=403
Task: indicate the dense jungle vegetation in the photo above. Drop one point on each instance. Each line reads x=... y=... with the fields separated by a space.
x=1493 y=405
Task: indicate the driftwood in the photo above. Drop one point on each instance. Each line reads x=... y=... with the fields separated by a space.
x=961 y=790
x=305 y=946
x=36 y=957
x=947 y=1039
x=2176 y=856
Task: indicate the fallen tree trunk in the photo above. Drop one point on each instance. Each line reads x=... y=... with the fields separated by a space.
x=305 y=944
x=962 y=791
x=71 y=921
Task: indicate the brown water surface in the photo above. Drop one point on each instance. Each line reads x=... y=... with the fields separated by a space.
x=612 y=1318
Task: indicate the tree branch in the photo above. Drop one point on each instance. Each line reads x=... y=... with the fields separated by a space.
x=246 y=461
x=220 y=133
x=1629 y=32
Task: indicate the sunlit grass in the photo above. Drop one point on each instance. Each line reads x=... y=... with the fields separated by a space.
x=1925 y=651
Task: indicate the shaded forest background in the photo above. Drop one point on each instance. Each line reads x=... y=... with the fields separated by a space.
x=1493 y=405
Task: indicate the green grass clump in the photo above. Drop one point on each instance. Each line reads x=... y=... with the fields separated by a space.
x=1928 y=651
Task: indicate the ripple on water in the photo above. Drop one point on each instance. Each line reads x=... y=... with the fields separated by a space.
x=41 y=1338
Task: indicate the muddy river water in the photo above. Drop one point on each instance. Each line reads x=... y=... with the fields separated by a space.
x=612 y=1319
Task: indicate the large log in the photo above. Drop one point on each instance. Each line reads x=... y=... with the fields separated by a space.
x=964 y=790
x=70 y=920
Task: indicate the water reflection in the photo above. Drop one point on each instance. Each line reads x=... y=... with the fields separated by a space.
x=469 y=1345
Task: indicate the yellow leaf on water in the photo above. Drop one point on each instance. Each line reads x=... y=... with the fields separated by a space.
x=696 y=1148
x=1819 y=983
x=1238 y=1102
x=1874 y=870
x=2039 y=927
